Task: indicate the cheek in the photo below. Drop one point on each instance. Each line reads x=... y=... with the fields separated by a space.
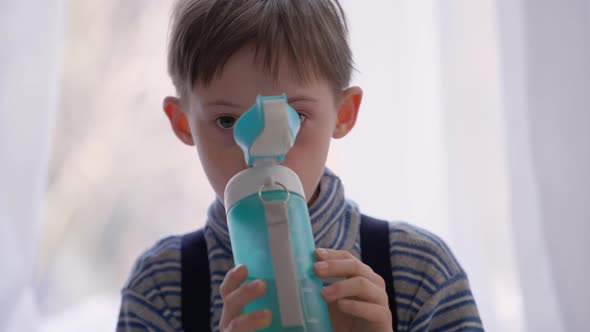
x=316 y=130
x=308 y=158
x=220 y=165
x=220 y=156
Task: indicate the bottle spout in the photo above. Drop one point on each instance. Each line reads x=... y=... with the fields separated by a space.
x=261 y=162
x=267 y=130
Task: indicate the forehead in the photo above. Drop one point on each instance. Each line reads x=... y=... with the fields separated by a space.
x=245 y=75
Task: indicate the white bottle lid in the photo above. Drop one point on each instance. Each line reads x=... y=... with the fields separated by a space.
x=251 y=180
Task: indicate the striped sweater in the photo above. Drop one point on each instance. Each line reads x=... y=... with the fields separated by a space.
x=432 y=291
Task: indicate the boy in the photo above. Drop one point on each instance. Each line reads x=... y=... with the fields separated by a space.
x=222 y=54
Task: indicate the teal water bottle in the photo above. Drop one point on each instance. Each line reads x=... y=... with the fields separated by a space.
x=268 y=220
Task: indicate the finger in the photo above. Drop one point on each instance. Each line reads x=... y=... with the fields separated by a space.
x=323 y=254
x=357 y=287
x=369 y=311
x=347 y=268
x=233 y=279
x=250 y=322
x=326 y=254
x=234 y=303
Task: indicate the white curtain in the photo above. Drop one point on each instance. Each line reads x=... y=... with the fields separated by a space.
x=436 y=94
x=475 y=125
x=488 y=107
x=546 y=70
x=31 y=35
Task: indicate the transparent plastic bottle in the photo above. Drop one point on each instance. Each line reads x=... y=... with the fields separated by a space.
x=269 y=222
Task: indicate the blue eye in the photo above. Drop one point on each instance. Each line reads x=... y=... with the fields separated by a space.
x=225 y=121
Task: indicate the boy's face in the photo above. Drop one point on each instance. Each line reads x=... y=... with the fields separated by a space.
x=211 y=110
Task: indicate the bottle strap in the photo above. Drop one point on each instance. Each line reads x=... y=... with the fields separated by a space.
x=279 y=239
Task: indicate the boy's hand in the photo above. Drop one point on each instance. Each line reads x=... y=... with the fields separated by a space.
x=357 y=303
x=235 y=297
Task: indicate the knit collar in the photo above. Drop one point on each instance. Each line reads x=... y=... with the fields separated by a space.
x=334 y=220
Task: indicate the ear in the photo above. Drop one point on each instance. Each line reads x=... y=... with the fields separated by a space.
x=348 y=111
x=178 y=120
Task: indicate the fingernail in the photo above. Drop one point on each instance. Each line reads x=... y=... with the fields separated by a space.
x=321 y=265
x=236 y=268
x=322 y=253
x=260 y=314
x=254 y=285
x=328 y=290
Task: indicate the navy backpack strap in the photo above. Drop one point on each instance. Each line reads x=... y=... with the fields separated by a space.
x=195 y=283
x=375 y=252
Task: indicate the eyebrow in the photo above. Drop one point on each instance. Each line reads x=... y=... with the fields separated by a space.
x=226 y=103
x=301 y=98
x=221 y=102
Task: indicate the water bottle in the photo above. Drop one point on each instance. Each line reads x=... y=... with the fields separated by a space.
x=268 y=220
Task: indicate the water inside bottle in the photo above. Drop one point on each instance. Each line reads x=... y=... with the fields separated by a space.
x=314 y=307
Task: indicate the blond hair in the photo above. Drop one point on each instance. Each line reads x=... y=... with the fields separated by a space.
x=312 y=34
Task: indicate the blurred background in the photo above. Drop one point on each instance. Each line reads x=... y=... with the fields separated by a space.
x=475 y=125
